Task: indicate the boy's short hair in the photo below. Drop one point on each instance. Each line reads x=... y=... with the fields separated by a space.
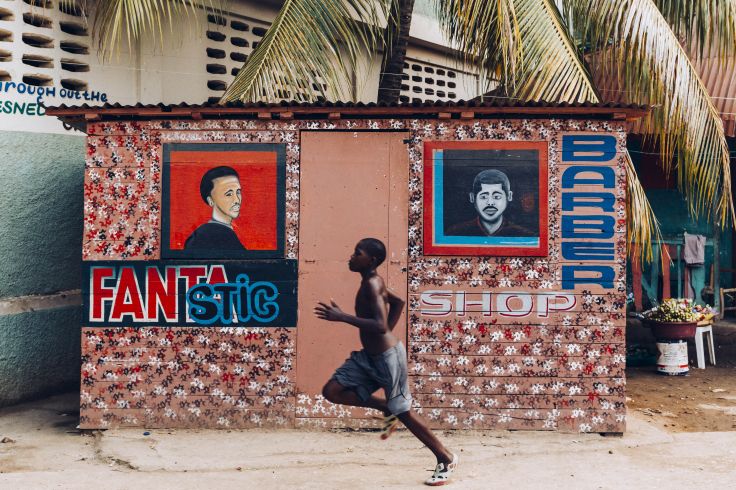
x=206 y=184
x=490 y=177
x=375 y=248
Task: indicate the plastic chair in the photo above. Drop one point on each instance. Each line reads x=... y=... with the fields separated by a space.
x=699 y=333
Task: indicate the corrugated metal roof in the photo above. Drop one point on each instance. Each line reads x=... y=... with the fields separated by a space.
x=493 y=102
x=79 y=115
x=719 y=78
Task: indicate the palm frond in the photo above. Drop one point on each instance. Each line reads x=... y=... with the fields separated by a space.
x=654 y=69
x=487 y=33
x=703 y=23
x=310 y=50
x=552 y=66
x=527 y=41
x=642 y=226
x=115 y=20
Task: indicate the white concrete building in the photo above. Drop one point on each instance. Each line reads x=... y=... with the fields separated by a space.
x=48 y=49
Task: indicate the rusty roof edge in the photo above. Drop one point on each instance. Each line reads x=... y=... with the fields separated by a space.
x=430 y=109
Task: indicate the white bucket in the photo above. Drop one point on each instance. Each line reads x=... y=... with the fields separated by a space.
x=672 y=359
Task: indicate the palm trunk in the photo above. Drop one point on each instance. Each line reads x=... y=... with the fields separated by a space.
x=389 y=84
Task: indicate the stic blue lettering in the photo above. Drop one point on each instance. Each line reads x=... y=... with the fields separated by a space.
x=208 y=304
x=264 y=301
x=225 y=292
x=201 y=306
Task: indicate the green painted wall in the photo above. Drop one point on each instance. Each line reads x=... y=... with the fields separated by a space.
x=40 y=253
x=671 y=209
x=39 y=353
x=40 y=213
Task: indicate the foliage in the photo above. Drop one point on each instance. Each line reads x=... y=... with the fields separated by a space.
x=632 y=40
x=637 y=45
x=115 y=20
x=679 y=310
x=311 y=44
x=526 y=42
x=642 y=226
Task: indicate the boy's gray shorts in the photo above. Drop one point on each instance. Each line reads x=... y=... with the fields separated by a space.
x=365 y=373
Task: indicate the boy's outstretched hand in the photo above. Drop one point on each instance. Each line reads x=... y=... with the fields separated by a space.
x=331 y=312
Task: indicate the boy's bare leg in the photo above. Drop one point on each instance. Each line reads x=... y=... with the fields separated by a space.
x=336 y=393
x=418 y=427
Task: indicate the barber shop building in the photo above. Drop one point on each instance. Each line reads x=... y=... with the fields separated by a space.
x=505 y=226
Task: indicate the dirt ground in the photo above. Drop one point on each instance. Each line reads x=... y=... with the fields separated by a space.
x=680 y=434
x=41 y=449
x=702 y=401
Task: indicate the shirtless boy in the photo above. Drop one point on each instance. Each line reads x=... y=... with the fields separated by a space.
x=382 y=361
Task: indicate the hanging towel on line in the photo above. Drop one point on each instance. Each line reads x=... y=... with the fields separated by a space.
x=694 y=250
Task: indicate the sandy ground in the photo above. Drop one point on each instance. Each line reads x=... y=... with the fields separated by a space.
x=704 y=400
x=44 y=450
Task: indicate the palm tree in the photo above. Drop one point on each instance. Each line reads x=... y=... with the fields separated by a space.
x=397 y=39
x=550 y=51
x=538 y=50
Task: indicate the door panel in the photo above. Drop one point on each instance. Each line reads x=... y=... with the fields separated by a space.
x=398 y=222
x=352 y=185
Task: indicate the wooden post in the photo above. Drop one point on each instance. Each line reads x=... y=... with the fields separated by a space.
x=679 y=271
x=716 y=278
x=636 y=279
x=665 y=256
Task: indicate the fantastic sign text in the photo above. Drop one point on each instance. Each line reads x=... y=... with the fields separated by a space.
x=214 y=294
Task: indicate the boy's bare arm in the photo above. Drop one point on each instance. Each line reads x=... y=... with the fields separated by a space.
x=395 y=308
x=376 y=324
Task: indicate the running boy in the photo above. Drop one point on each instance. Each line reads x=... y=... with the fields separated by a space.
x=382 y=361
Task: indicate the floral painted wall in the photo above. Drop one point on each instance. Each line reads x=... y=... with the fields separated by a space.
x=559 y=366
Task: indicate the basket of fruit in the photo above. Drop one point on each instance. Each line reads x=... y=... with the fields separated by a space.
x=674 y=319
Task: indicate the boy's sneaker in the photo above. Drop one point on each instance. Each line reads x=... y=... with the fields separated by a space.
x=390 y=424
x=441 y=473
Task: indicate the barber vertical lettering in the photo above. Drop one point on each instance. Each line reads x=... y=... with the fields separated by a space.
x=588 y=222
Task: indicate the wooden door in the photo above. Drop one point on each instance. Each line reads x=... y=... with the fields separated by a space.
x=352 y=185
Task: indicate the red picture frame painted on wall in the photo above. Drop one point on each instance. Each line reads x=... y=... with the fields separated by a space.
x=486 y=198
x=223 y=201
